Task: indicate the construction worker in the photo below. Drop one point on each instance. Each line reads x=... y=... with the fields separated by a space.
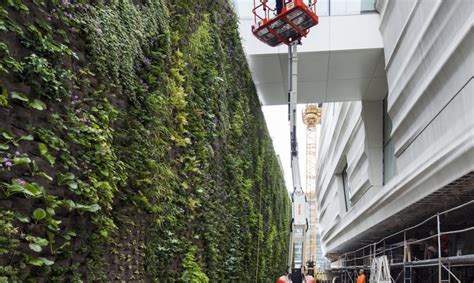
x=279 y=6
x=362 y=278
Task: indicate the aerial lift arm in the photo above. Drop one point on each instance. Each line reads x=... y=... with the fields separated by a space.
x=292 y=22
x=299 y=223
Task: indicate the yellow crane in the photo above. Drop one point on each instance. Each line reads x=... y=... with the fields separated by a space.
x=311 y=118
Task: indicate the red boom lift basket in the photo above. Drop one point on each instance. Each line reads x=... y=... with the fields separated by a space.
x=293 y=23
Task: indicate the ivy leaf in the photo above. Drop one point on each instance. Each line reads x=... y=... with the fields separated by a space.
x=39 y=214
x=19 y=96
x=35 y=247
x=38 y=105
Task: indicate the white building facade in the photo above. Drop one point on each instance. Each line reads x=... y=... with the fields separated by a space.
x=397 y=129
x=388 y=163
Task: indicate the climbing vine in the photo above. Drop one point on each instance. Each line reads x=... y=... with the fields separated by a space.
x=133 y=147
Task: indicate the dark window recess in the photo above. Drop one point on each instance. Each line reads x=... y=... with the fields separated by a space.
x=346 y=188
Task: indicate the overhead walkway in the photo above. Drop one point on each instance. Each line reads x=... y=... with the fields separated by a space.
x=340 y=60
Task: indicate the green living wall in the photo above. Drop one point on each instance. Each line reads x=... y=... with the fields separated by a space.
x=133 y=147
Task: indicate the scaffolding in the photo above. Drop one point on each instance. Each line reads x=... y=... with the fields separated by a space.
x=400 y=254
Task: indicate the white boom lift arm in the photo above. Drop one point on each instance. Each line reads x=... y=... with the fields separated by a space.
x=299 y=222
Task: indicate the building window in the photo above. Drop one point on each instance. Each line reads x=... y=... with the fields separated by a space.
x=389 y=162
x=346 y=188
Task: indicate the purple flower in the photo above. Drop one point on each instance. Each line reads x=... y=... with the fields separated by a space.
x=21 y=182
x=49 y=19
x=8 y=164
x=83 y=120
x=78 y=111
x=17 y=153
x=145 y=85
x=75 y=97
x=65 y=2
x=147 y=61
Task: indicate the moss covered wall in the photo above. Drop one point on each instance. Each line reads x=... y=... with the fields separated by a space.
x=133 y=147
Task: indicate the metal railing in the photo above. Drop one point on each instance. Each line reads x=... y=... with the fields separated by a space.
x=263 y=12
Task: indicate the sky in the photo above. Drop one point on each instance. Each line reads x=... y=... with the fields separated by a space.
x=278 y=125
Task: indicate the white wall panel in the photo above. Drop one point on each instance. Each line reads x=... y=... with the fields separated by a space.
x=429 y=53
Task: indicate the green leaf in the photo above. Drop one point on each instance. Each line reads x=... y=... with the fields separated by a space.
x=50 y=211
x=21 y=160
x=36 y=262
x=28 y=189
x=34 y=189
x=72 y=185
x=22 y=218
x=35 y=247
x=69 y=204
x=46 y=261
x=44 y=175
x=65 y=178
x=43 y=148
x=104 y=233
x=89 y=208
x=37 y=104
x=19 y=96
x=4 y=146
x=40 y=261
x=8 y=136
x=40 y=241
x=39 y=214
x=4 y=95
x=26 y=138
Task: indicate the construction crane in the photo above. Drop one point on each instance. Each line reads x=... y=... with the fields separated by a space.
x=287 y=23
x=311 y=118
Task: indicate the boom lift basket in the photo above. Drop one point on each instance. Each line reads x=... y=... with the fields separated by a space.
x=293 y=23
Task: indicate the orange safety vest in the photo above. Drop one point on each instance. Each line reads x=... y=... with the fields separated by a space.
x=361 y=278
